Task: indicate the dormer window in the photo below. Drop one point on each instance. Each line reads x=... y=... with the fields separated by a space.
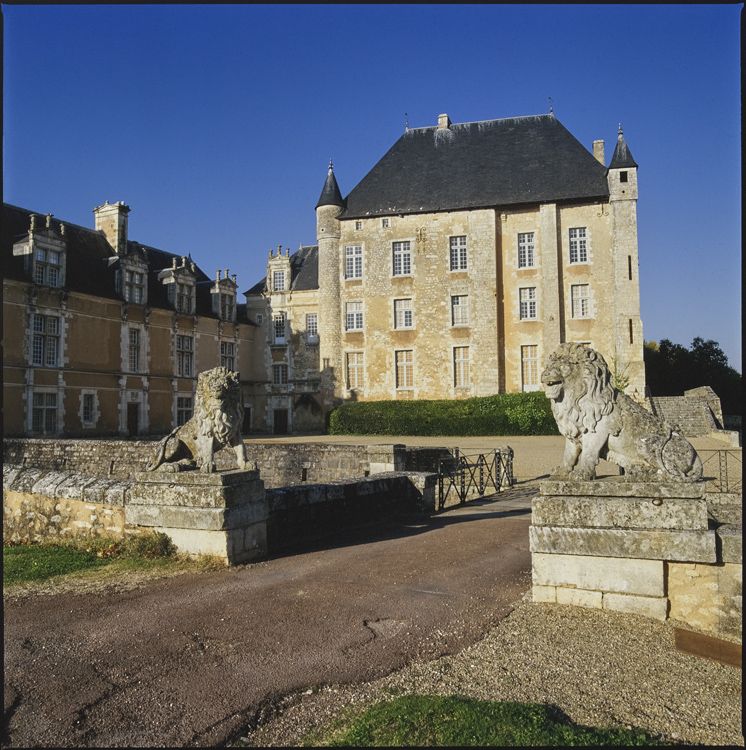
x=47 y=267
x=134 y=287
x=181 y=283
x=223 y=294
x=278 y=281
x=184 y=297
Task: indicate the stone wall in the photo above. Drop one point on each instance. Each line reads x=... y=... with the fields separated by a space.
x=280 y=464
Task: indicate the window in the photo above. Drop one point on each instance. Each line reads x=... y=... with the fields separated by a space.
x=578 y=247
x=279 y=323
x=403 y=313
x=185 y=355
x=528 y=303
x=622 y=177
x=183 y=410
x=44 y=413
x=354 y=262
x=458 y=253
x=461 y=366
x=278 y=281
x=355 y=370
x=385 y=223
x=45 y=343
x=530 y=367
x=460 y=310
x=354 y=314
x=134 y=287
x=227 y=355
x=184 y=298
x=402 y=259
x=358 y=225
x=227 y=306
x=259 y=319
x=280 y=374
x=312 y=328
x=404 y=369
x=88 y=407
x=526 y=250
x=134 y=349
x=581 y=303
x=47 y=267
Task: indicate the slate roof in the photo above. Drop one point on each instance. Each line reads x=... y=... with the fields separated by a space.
x=522 y=160
x=330 y=195
x=89 y=265
x=622 y=157
x=304 y=271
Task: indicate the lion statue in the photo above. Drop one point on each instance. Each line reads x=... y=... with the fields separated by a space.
x=217 y=420
x=598 y=421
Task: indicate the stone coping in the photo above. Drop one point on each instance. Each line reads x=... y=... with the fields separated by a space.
x=622 y=487
x=220 y=478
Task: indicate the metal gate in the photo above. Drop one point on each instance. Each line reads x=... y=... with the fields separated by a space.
x=722 y=470
x=471 y=476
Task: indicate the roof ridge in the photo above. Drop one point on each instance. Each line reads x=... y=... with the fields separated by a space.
x=482 y=122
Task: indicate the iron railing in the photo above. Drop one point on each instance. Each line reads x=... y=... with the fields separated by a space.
x=722 y=470
x=471 y=476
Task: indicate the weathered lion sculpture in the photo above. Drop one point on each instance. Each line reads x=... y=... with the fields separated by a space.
x=217 y=420
x=598 y=421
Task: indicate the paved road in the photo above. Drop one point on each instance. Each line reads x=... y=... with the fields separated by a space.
x=190 y=660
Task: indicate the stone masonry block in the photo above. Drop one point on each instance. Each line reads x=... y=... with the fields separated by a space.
x=612 y=574
x=620 y=512
x=547 y=594
x=696 y=546
x=211 y=519
x=730 y=536
x=580 y=598
x=648 y=606
x=621 y=487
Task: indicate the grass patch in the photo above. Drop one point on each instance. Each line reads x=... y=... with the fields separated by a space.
x=31 y=561
x=456 y=721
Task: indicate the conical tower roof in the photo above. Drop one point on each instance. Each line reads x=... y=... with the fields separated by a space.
x=330 y=195
x=622 y=157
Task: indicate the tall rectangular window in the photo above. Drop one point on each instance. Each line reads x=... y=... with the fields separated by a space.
x=405 y=369
x=403 y=313
x=45 y=341
x=184 y=298
x=278 y=281
x=581 y=303
x=47 y=267
x=280 y=374
x=578 y=246
x=354 y=316
x=530 y=367
x=185 y=356
x=312 y=328
x=528 y=303
x=279 y=328
x=526 y=250
x=402 y=259
x=460 y=310
x=44 y=413
x=354 y=262
x=134 y=287
x=88 y=403
x=227 y=355
x=134 y=349
x=355 y=371
x=227 y=306
x=183 y=410
x=461 y=366
x=458 y=253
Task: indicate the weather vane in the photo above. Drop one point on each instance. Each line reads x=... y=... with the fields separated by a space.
x=406 y=117
x=551 y=109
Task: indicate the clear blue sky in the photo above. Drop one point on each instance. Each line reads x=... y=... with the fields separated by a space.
x=215 y=124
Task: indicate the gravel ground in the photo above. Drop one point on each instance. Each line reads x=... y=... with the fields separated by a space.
x=600 y=668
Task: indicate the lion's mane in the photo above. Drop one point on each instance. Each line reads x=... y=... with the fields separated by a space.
x=588 y=391
x=218 y=404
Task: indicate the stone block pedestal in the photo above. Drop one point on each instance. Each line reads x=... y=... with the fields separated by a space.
x=608 y=543
x=223 y=513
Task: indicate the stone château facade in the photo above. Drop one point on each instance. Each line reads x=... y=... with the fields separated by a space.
x=104 y=336
x=465 y=256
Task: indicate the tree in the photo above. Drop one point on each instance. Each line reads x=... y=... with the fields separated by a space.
x=671 y=369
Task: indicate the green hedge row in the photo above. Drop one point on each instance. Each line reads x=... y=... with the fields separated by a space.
x=502 y=414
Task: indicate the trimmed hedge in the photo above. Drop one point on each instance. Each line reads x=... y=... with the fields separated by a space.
x=502 y=414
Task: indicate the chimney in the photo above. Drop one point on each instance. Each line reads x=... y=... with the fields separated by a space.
x=444 y=121
x=111 y=219
x=598 y=151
